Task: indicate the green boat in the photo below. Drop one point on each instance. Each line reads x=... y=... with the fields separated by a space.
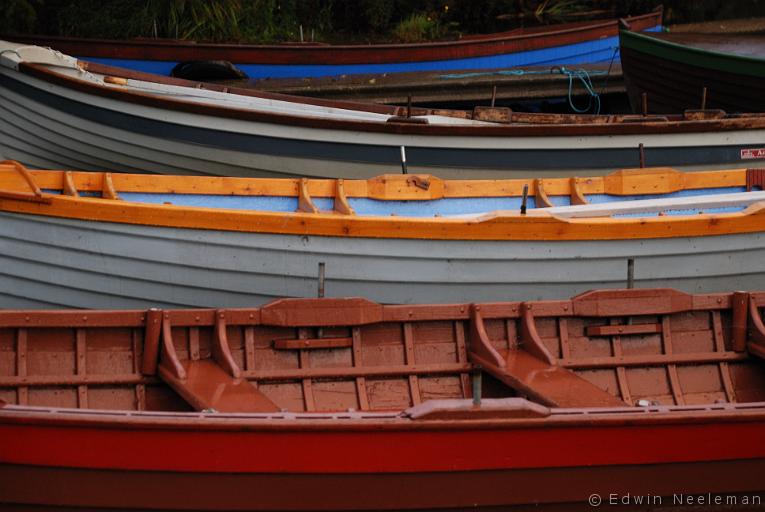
x=688 y=71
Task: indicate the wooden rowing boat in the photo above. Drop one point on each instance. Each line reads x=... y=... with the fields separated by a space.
x=62 y=113
x=571 y=43
x=344 y=404
x=96 y=240
x=675 y=70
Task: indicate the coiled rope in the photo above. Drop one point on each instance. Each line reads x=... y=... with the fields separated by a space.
x=584 y=77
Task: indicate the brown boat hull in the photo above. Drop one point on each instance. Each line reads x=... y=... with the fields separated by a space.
x=672 y=87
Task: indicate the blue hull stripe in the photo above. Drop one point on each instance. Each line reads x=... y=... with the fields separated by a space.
x=589 y=52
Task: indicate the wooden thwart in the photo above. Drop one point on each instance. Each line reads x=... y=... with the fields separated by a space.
x=531 y=369
x=552 y=385
x=210 y=384
x=207 y=386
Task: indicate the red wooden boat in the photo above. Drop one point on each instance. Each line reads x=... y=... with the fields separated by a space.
x=344 y=404
x=586 y=42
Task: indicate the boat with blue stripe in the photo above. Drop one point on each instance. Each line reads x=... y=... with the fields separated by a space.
x=589 y=42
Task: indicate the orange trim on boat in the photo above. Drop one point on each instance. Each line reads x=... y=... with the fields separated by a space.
x=500 y=225
x=392 y=187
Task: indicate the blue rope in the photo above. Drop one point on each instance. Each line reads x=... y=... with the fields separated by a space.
x=584 y=76
x=504 y=72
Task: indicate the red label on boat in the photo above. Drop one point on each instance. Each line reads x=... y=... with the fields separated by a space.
x=751 y=154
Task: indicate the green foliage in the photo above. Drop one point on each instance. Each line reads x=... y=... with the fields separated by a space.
x=266 y=21
x=414 y=29
x=420 y=27
x=552 y=8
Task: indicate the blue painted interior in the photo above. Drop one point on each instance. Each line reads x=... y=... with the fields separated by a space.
x=374 y=207
x=589 y=52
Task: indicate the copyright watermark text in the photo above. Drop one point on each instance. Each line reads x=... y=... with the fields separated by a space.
x=614 y=499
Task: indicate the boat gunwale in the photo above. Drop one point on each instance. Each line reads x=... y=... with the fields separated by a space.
x=630 y=182
x=498 y=225
x=542 y=227
x=385 y=421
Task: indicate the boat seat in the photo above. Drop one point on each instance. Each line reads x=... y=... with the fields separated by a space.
x=529 y=368
x=213 y=383
x=641 y=346
x=553 y=385
x=208 y=387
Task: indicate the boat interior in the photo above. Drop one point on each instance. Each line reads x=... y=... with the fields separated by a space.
x=630 y=192
x=620 y=350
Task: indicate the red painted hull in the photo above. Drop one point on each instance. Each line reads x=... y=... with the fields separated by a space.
x=189 y=463
x=296 y=54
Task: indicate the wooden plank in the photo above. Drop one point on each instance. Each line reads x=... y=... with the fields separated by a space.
x=368 y=371
x=725 y=376
x=312 y=343
x=140 y=397
x=271 y=375
x=614 y=303
x=207 y=386
x=551 y=385
x=510 y=327
x=249 y=348
x=621 y=373
x=152 y=332
x=459 y=336
x=327 y=312
x=127 y=379
x=653 y=360
x=194 y=343
x=304 y=361
x=22 y=392
x=740 y=321
x=565 y=348
x=81 y=367
x=623 y=330
x=358 y=360
x=140 y=389
x=674 y=379
x=414 y=385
